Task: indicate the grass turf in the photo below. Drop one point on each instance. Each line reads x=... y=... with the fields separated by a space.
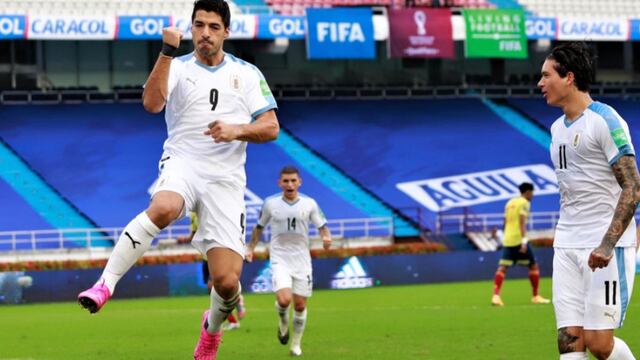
x=436 y=321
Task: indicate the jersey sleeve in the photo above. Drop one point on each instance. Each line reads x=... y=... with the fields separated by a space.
x=258 y=94
x=613 y=136
x=265 y=215
x=317 y=216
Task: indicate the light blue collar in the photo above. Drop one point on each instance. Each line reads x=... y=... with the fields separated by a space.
x=212 y=68
x=568 y=123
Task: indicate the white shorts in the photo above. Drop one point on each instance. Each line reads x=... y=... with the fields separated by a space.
x=592 y=300
x=300 y=283
x=219 y=205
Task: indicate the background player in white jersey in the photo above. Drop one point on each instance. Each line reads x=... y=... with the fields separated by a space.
x=211 y=100
x=595 y=245
x=289 y=214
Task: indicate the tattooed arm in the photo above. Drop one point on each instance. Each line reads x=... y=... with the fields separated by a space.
x=626 y=173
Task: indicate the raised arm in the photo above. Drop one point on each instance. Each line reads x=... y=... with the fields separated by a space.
x=626 y=173
x=156 y=89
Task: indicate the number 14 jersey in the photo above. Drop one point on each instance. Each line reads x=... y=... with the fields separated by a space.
x=290 y=229
x=583 y=152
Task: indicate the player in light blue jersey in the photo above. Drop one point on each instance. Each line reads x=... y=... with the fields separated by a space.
x=289 y=214
x=594 y=243
x=214 y=105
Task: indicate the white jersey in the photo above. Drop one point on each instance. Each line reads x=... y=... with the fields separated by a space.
x=290 y=229
x=583 y=152
x=234 y=92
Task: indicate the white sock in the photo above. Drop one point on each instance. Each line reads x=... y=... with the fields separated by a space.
x=574 y=356
x=283 y=313
x=299 y=321
x=133 y=242
x=220 y=309
x=620 y=350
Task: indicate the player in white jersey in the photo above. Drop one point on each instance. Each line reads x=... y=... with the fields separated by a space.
x=289 y=214
x=595 y=245
x=214 y=104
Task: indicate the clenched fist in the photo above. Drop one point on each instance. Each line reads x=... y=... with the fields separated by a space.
x=172 y=36
x=599 y=258
x=222 y=132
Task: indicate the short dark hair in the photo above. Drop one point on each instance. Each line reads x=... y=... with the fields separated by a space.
x=575 y=57
x=524 y=187
x=289 y=170
x=219 y=7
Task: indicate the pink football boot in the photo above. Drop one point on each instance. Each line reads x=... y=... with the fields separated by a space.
x=207 y=347
x=94 y=298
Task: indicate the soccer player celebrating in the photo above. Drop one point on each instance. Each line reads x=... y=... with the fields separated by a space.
x=595 y=245
x=211 y=98
x=516 y=248
x=289 y=214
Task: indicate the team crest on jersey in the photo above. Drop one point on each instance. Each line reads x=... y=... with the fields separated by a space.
x=235 y=82
x=576 y=140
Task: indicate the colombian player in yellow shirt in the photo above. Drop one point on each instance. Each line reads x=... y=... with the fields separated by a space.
x=516 y=249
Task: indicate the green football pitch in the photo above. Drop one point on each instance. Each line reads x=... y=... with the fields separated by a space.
x=437 y=321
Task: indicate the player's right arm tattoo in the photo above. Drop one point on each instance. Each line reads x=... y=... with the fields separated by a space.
x=566 y=341
x=626 y=174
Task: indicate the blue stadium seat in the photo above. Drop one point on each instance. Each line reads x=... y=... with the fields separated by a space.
x=383 y=143
x=103 y=159
x=16 y=213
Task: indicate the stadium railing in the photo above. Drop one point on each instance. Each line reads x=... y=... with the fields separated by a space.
x=345 y=232
x=134 y=94
x=462 y=223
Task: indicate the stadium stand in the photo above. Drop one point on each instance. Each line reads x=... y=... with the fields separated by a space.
x=613 y=8
x=103 y=159
x=545 y=115
x=16 y=213
x=297 y=7
x=172 y=7
x=95 y=155
x=343 y=185
x=380 y=148
x=536 y=109
x=263 y=168
x=42 y=198
x=103 y=7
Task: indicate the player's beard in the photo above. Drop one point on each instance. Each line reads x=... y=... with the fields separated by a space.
x=210 y=52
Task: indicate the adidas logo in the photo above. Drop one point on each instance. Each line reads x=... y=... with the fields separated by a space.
x=351 y=275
